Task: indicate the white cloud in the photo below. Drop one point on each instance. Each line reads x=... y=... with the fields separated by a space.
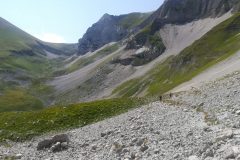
x=51 y=37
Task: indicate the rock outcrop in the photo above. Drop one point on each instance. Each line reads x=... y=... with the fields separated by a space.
x=183 y=11
x=57 y=143
x=109 y=29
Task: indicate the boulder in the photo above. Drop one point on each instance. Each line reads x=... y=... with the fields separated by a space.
x=60 y=138
x=18 y=156
x=193 y=158
x=231 y=152
x=48 y=143
x=225 y=134
x=59 y=147
x=143 y=148
x=238 y=112
x=141 y=141
x=117 y=147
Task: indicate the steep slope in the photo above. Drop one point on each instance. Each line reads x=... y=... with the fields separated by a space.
x=14 y=39
x=99 y=79
x=181 y=12
x=89 y=77
x=25 y=64
x=151 y=45
x=114 y=28
x=19 y=49
x=109 y=29
x=148 y=41
x=217 y=45
x=219 y=70
x=178 y=37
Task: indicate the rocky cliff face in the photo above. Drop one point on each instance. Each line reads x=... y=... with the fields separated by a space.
x=182 y=11
x=104 y=31
x=108 y=29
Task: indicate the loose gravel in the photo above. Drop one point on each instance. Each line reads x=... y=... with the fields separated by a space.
x=200 y=124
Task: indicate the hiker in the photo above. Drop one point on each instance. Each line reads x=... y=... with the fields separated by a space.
x=170 y=95
x=160 y=98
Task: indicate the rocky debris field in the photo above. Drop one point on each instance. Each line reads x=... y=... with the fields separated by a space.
x=200 y=124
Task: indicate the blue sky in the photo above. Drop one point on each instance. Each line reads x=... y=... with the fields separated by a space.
x=66 y=20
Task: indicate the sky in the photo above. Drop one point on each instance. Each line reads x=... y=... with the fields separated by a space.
x=65 y=21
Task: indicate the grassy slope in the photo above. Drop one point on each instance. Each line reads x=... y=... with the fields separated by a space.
x=22 y=62
x=133 y=19
x=18 y=100
x=24 y=125
x=13 y=38
x=217 y=45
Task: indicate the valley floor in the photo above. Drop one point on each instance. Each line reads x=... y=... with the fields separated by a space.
x=201 y=123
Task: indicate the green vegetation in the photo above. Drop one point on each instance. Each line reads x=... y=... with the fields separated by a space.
x=25 y=125
x=33 y=65
x=18 y=100
x=134 y=19
x=130 y=88
x=156 y=42
x=24 y=69
x=9 y=158
x=147 y=37
x=13 y=38
x=156 y=49
x=142 y=37
x=217 y=45
x=17 y=50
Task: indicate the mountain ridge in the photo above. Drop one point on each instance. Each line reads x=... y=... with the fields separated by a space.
x=26 y=63
x=170 y=12
x=184 y=11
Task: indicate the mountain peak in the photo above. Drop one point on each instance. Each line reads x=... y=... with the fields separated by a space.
x=106 y=16
x=108 y=29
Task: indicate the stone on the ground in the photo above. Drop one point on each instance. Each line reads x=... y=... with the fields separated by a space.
x=18 y=156
x=47 y=143
x=193 y=158
x=225 y=134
